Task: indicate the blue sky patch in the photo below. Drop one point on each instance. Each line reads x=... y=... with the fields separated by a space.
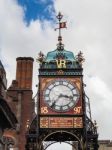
x=37 y=9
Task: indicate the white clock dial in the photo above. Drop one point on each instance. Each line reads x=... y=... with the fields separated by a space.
x=61 y=95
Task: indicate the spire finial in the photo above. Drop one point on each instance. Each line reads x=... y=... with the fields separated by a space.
x=61 y=25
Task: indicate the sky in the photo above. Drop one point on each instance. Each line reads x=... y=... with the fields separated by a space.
x=27 y=27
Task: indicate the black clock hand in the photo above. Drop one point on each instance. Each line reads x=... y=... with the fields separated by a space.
x=66 y=96
x=53 y=104
x=59 y=96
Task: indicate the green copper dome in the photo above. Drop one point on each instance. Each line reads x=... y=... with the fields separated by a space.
x=64 y=54
x=60 y=58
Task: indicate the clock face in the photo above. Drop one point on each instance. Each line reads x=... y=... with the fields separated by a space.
x=61 y=95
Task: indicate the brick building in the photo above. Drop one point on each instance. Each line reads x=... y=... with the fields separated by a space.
x=7 y=118
x=18 y=102
x=19 y=98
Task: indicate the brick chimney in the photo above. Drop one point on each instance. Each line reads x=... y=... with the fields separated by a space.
x=24 y=72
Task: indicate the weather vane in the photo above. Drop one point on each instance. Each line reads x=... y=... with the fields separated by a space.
x=61 y=25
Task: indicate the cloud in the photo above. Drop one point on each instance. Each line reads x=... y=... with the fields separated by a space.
x=101 y=102
x=89 y=29
x=18 y=39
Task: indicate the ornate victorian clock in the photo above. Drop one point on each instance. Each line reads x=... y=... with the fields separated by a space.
x=61 y=95
x=61 y=105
